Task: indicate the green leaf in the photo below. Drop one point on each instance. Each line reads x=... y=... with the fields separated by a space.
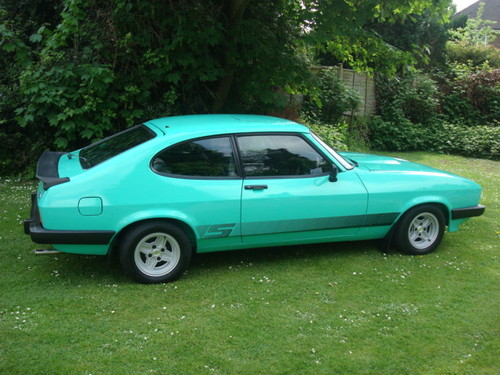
x=35 y=38
x=8 y=47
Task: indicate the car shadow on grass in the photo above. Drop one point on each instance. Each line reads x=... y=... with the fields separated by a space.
x=73 y=268
x=282 y=254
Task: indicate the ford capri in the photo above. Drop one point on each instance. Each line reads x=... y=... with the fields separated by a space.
x=159 y=192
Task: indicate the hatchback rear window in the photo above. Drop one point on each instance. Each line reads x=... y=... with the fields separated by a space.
x=116 y=144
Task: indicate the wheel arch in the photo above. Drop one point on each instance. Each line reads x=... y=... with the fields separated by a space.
x=118 y=238
x=433 y=201
x=387 y=241
x=420 y=230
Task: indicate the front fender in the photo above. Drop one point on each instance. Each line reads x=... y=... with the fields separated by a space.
x=428 y=199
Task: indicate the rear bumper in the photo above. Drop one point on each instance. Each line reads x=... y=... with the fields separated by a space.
x=464 y=213
x=39 y=234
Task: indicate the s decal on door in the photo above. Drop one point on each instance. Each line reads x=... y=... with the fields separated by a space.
x=215 y=231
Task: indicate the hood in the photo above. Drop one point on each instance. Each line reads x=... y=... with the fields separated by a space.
x=376 y=163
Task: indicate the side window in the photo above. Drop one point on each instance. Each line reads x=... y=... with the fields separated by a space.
x=280 y=155
x=208 y=157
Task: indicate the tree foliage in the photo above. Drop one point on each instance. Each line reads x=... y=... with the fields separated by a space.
x=470 y=86
x=424 y=34
x=75 y=70
x=353 y=31
x=477 y=31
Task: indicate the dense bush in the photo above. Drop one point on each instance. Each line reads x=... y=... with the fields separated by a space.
x=474 y=141
x=72 y=71
x=335 y=135
x=324 y=106
x=473 y=99
x=329 y=99
x=472 y=55
x=410 y=98
x=407 y=113
x=103 y=66
x=402 y=135
x=470 y=82
x=415 y=115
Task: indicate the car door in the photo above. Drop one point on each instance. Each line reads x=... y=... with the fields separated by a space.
x=287 y=195
x=200 y=185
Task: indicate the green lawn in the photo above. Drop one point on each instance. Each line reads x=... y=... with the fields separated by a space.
x=342 y=308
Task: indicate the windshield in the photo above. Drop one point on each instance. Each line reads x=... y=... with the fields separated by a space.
x=116 y=144
x=334 y=153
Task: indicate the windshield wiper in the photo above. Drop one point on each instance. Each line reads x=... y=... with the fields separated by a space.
x=353 y=162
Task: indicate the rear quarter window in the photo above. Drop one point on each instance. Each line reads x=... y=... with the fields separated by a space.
x=109 y=147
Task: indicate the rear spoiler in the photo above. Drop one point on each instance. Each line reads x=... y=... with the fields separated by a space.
x=47 y=169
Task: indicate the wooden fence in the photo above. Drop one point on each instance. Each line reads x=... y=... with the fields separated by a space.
x=362 y=83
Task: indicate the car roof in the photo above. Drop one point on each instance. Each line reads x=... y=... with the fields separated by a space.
x=224 y=124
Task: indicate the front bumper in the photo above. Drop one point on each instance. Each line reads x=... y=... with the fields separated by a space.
x=39 y=234
x=464 y=213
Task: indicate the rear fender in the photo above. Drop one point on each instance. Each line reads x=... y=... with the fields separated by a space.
x=140 y=217
x=156 y=214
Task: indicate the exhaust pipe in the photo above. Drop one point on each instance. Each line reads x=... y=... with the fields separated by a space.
x=46 y=251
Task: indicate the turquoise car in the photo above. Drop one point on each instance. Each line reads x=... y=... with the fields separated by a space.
x=161 y=191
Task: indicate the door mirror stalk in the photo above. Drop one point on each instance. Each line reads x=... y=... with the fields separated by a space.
x=333 y=174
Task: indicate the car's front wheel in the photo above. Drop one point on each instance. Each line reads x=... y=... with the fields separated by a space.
x=420 y=230
x=155 y=252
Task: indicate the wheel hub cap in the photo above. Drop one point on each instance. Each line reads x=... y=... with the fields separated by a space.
x=157 y=254
x=423 y=230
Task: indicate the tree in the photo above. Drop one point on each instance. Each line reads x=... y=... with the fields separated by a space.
x=90 y=67
x=19 y=19
x=424 y=34
x=470 y=50
x=352 y=31
x=476 y=31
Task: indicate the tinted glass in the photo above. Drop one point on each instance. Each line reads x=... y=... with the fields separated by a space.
x=114 y=145
x=210 y=157
x=280 y=155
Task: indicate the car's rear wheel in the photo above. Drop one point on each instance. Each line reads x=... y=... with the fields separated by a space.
x=155 y=252
x=420 y=230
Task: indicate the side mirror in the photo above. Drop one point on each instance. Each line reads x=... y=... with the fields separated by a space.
x=333 y=174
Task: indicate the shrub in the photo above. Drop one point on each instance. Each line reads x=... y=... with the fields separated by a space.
x=477 y=141
x=472 y=55
x=335 y=135
x=329 y=99
x=473 y=99
x=474 y=141
x=412 y=97
x=402 y=135
x=408 y=118
x=460 y=119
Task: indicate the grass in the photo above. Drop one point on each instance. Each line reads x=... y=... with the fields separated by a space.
x=342 y=308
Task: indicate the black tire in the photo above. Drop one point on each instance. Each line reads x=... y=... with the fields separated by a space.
x=420 y=230
x=155 y=252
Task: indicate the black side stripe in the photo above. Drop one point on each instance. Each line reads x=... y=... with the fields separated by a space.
x=299 y=225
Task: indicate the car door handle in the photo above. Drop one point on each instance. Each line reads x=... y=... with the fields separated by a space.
x=255 y=187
